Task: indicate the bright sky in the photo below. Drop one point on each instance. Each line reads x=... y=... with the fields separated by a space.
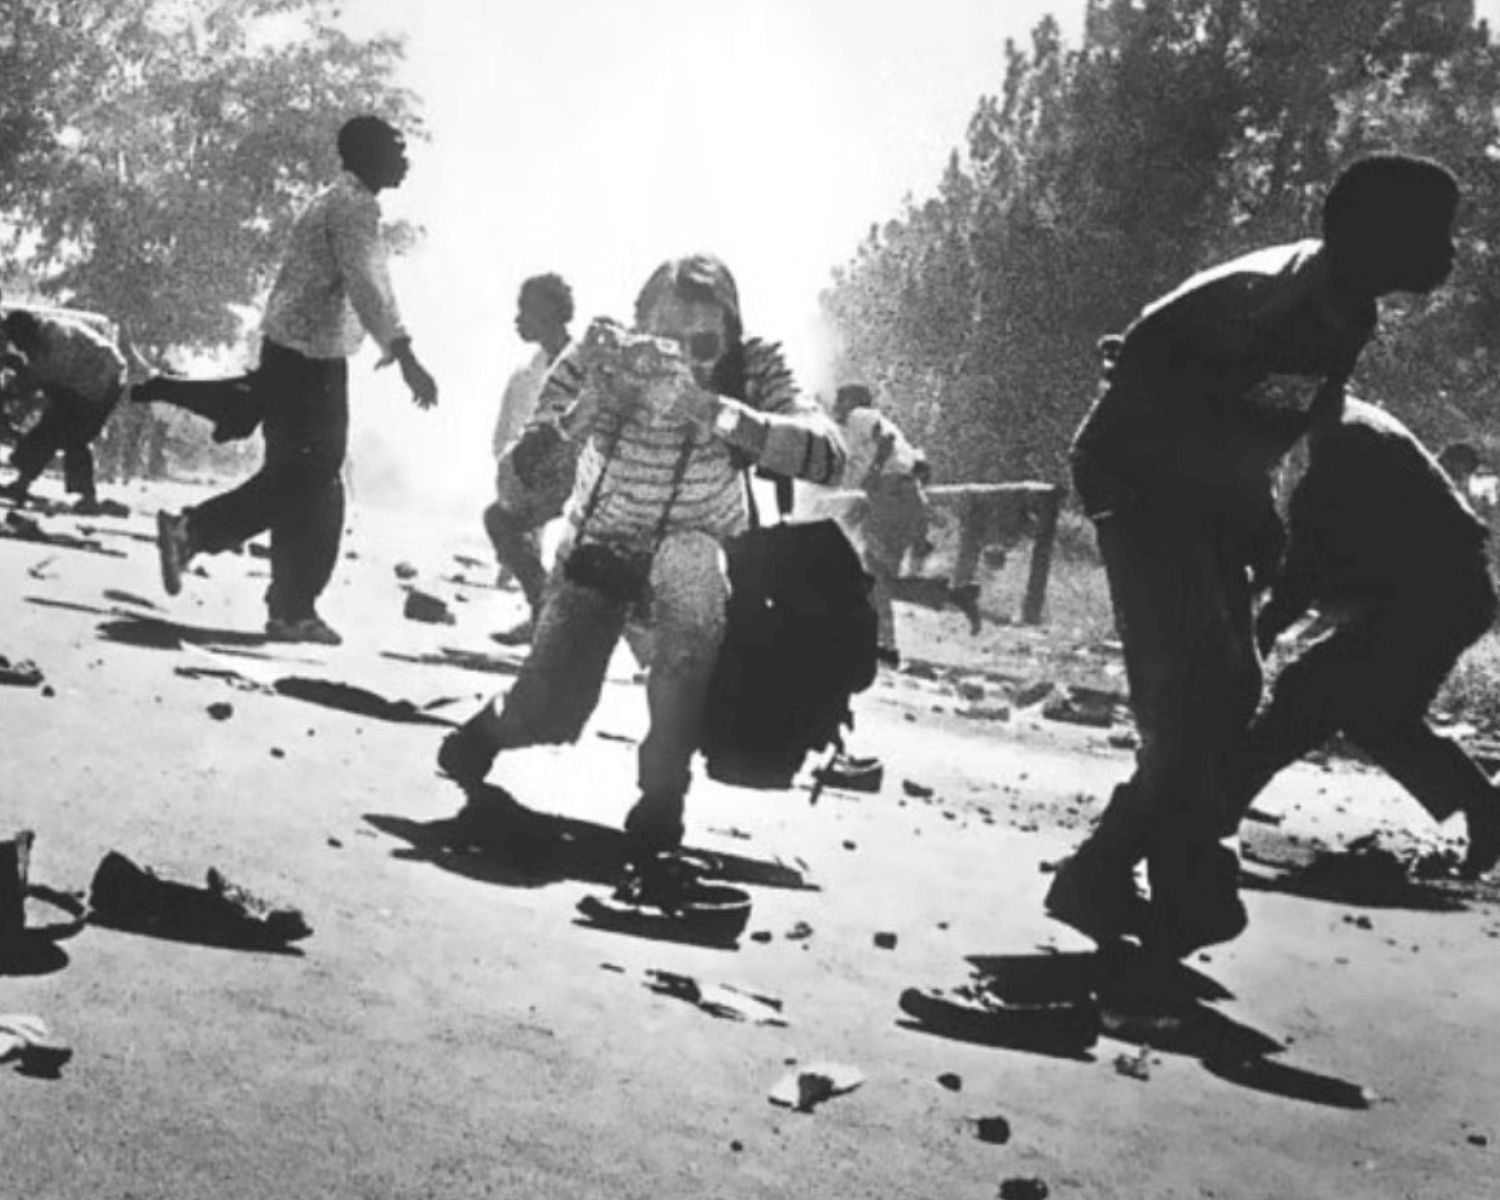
x=596 y=138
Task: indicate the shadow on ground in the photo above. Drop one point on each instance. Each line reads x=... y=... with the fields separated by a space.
x=1059 y=1005
x=495 y=839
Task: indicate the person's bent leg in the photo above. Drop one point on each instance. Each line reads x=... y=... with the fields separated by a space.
x=211 y=399
x=689 y=603
x=513 y=535
x=1304 y=711
x=557 y=690
x=35 y=449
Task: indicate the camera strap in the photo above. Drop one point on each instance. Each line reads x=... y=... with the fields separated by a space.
x=679 y=473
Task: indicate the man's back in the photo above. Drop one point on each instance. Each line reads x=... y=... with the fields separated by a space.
x=1374 y=515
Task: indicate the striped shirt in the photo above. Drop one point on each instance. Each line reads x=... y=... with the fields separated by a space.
x=633 y=458
x=334 y=283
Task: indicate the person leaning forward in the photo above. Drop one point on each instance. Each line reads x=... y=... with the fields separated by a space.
x=333 y=287
x=81 y=372
x=1173 y=466
x=1384 y=546
x=660 y=487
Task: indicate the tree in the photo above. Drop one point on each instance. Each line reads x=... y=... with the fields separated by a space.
x=153 y=153
x=1179 y=133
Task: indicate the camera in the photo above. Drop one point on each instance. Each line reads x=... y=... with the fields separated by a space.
x=616 y=574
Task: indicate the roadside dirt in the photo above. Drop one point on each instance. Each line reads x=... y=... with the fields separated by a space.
x=452 y=1029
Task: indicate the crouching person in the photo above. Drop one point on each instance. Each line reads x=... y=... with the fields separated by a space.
x=667 y=430
x=1384 y=547
x=81 y=372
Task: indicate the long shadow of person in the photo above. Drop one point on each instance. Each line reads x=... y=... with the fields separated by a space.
x=496 y=839
x=1061 y=1004
x=1362 y=873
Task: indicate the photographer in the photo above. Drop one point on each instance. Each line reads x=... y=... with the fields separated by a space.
x=668 y=423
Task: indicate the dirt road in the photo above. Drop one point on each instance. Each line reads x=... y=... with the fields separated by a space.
x=452 y=1029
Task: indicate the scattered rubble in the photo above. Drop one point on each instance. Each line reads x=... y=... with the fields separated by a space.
x=718 y=999
x=427 y=608
x=808 y=1087
x=885 y=940
x=1135 y=1066
x=21 y=673
x=26 y=1040
x=993 y=1130
x=1024 y=1188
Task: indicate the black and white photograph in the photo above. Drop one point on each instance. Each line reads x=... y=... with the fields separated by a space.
x=663 y=599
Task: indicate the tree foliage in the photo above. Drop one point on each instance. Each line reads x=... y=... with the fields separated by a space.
x=154 y=152
x=1178 y=133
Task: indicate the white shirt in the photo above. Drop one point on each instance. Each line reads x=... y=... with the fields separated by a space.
x=520 y=399
x=334 y=282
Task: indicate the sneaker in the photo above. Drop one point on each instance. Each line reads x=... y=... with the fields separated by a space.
x=516 y=635
x=466 y=755
x=280 y=924
x=1194 y=903
x=173 y=548
x=654 y=826
x=966 y=600
x=1101 y=903
x=87 y=506
x=853 y=774
x=313 y=630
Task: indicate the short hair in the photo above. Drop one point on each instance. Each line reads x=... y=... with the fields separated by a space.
x=362 y=136
x=700 y=278
x=1381 y=191
x=22 y=327
x=551 y=292
x=854 y=395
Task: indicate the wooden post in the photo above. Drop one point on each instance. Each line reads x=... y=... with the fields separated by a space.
x=1049 y=506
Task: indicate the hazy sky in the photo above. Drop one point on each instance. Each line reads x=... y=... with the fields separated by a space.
x=598 y=137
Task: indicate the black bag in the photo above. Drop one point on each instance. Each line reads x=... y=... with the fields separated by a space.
x=800 y=641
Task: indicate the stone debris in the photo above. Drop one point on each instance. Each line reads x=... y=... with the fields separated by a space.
x=1023 y=1187
x=951 y=1080
x=404 y=570
x=427 y=608
x=721 y=1000
x=885 y=940
x=26 y=1040
x=1135 y=1066
x=993 y=1130
x=20 y=673
x=1034 y=693
x=221 y=710
x=806 y=1088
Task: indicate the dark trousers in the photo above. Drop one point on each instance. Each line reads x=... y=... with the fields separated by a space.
x=1372 y=678
x=70 y=424
x=1182 y=603
x=297 y=494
